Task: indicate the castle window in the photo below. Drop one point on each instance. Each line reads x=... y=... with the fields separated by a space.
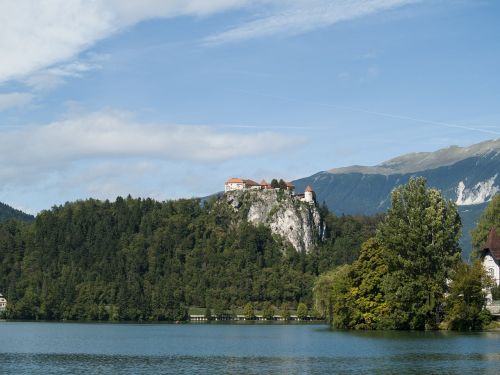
x=491 y=271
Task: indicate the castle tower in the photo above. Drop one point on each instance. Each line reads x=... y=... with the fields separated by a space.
x=309 y=195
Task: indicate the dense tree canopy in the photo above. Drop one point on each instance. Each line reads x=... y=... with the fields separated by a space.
x=489 y=219
x=136 y=259
x=420 y=236
x=465 y=305
x=400 y=278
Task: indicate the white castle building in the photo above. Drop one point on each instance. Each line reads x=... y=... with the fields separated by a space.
x=233 y=184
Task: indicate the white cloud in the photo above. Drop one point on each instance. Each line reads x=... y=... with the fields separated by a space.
x=14 y=99
x=37 y=37
x=49 y=78
x=40 y=34
x=115 y=135
x=299 y=16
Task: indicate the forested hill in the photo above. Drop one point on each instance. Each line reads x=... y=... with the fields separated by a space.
x=7 y=212
x=136 y=259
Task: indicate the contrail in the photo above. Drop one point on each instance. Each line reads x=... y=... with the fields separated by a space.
x=381 y=114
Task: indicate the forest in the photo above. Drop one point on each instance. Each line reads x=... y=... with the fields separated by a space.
x=144 y=260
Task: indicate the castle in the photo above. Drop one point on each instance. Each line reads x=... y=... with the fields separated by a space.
x=233 y=184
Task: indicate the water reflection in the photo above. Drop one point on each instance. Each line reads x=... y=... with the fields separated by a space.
x=27 y=348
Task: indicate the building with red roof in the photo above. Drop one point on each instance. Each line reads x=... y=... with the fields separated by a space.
x=490 y=255
x=236 y=183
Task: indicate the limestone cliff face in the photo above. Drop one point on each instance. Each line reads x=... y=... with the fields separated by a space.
x=298 y=222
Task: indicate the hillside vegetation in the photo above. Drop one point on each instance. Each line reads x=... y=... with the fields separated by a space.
x=136 y=259
x=7 y=212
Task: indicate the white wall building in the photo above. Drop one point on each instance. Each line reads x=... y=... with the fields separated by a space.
x=490 y=256
x=3 y=303
x=234 y=184
x=309 y=195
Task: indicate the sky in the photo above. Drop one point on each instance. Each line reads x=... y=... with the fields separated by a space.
x=169 y=98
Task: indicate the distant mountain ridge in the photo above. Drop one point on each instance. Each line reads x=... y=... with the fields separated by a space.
x=7 y=212
x=470 y=176
x=421 y=161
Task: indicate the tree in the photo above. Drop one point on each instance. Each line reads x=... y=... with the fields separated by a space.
x=420 y=236
x=343 y=310
x=282 y=184
x=248 y=311
x=285 y=311
x=302 y=311
x=489 y=219
x=267 y=311
x=366 y=275
x=208 y=313
x=466 y=302
x=219 y=310
x=323 y=295
x=274 y=183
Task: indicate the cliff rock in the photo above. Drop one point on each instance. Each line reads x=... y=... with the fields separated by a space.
x=298 y=222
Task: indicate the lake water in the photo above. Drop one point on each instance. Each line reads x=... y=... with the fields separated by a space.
x=73 y=348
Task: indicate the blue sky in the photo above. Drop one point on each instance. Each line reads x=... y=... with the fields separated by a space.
x=168 y=99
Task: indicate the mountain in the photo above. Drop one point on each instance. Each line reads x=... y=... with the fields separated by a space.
x=7 y=212
x=470 y=176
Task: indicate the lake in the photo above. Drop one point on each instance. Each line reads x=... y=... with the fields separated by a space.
x=76 y=348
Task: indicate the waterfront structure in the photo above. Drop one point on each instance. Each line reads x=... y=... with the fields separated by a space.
x=3 y=303
x=490 y=256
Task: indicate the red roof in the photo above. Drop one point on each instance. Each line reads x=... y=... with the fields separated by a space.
x=309 y=189
x=234 y=181
x=492 y=244
x=290 y=185
x=251 y=183
x=264 y=183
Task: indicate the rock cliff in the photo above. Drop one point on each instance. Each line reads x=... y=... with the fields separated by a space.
x=298 y=222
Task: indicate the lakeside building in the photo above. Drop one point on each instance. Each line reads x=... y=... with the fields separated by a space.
x=3 y=303
x=235 y=183
x=490 y=256
x=241 y=317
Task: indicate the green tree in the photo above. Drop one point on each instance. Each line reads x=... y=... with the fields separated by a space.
x=420 y=236
x=219 y=310
x=274 y=183
x=208 y=313
x=302 y=311
x=248 y=311
x=489 y=219
x=267 y=311
x=323 y=295
x=366 y=276
x=282 y=184
x=466 y=302
x=285 y=311
x=343 y=309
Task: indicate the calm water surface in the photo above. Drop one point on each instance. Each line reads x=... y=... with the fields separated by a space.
x=71 y=348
